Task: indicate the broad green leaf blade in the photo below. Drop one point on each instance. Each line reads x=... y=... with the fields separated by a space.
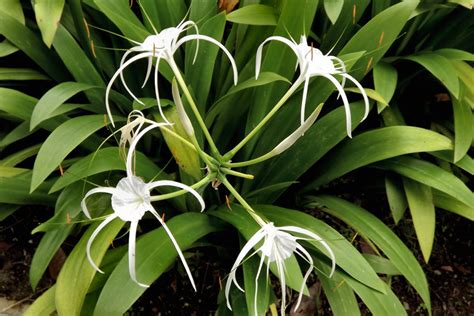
x=106 y=159
x=430 y=175
x=78 y=271
x=254 y=14
x=377 y=35
x=382 y=236
x=381 y=265
x=371 y=93
x=16 y=191
x=340 y=295
x=20 y=156
x=448 y=203
x=463 y=126
x=455 y=54
x=119 y=12
x=420 y=202
x=45 y=251
x=385 y=82
x=43 y=305
x=21 y=74
x=48 y=14
x=61 y=142
x=155 y=253
x=374 y=146
x=53 y=99
x=23 y=38
x=441 y=68
x=8 y=172
x=14 y=9
x=7 y=210
x=396 y=197
x=333 y=9
x=16 y=103
x=163 y=13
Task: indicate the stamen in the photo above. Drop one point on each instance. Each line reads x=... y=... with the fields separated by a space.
x=68 y=219
x=369 y=64
x=354 y=11
x=93 y=49
x=61 y=170
x=381 y=39
x=227 y=202
x=87 y=28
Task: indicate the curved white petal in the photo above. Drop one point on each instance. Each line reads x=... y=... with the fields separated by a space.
x=157 y=91
x=362 y=91
x=314 y=236
x=148 y=70
x=308 y=258
x=133 y=145
x=344 y=100
x=185 y=187
x=175 y=243
x=93 y=236
x=122 y=61
x=343 y=69
x=215 y=42
x=188 y=126
x=292 y=45
x=303 y=101
x=116 y=74
x=132 y=236
x=94 y=191
x=282 y=276
x=185 y=26
x=262 y=259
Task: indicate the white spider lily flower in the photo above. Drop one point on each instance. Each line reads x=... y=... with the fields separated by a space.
x=312 y=62
x=131 y=199
x=278 y=245
x=162 y=45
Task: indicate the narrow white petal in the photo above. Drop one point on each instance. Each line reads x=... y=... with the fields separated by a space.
x=116 y=74
x=133 y=145
x=215 y=42
x=132 y=236
x=185 y=26
x=316 y=237
x=157 y=91
x=94 y=191
x=286 y=41
x=93 y=236
x=122 y=61
x=303 y=101
x=175 y=243
x=262 y=259
x=342 y=68
x=188 y=126
x=282 y=276
x=362 y=91
x=344 y=100
x=185 y=187
x=307 y=256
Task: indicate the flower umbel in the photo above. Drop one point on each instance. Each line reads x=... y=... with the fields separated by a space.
x=162 y=45
x=131 y=199
x=312 y=62
x=279 y=244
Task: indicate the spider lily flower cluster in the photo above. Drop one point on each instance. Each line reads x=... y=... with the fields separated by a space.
x=131 y=198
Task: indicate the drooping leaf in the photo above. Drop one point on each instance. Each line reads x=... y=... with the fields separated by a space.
x=463 y=125
x=385 y=82
x=254 y=14
x=43 y=305
x=48 y=14
x=396 y=197
x=21 y=74
x=420 y=202
x=333 y=9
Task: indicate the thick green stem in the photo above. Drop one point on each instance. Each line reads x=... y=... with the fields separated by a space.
x=194 y=108
x=250 y=162
x=195 y=186
x=242 y=201
x=237 y=174
x=264 y=121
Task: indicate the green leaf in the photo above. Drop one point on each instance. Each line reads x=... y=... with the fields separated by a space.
x=376 y=145
x=78 y=271
x=119 y=12
x=12 y=8
x=430 y=175
x=8 y=172
x=254 y=14
x=441 y=68
x=333 y=9
x=371 y=93
x=23 y=38
x=396 y=197
x=456 y=54
x=48 y=14
x=105 y=159
x=61 y=142
x=155 y=253
x=463 y=126
x=21 y=74
x=7 y=210
x=448 y=203
x=382 y=236
x=385 y=82
x=377 y=35
x=381 y=265
x=43 y=305
x=53 y=99
x=420 y=202
x=16 y=103
x=16 y=191
x=340 y=295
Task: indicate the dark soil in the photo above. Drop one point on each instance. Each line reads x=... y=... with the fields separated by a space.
x=449 y=271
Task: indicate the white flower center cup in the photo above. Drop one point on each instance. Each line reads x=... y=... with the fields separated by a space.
x=131 y=199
